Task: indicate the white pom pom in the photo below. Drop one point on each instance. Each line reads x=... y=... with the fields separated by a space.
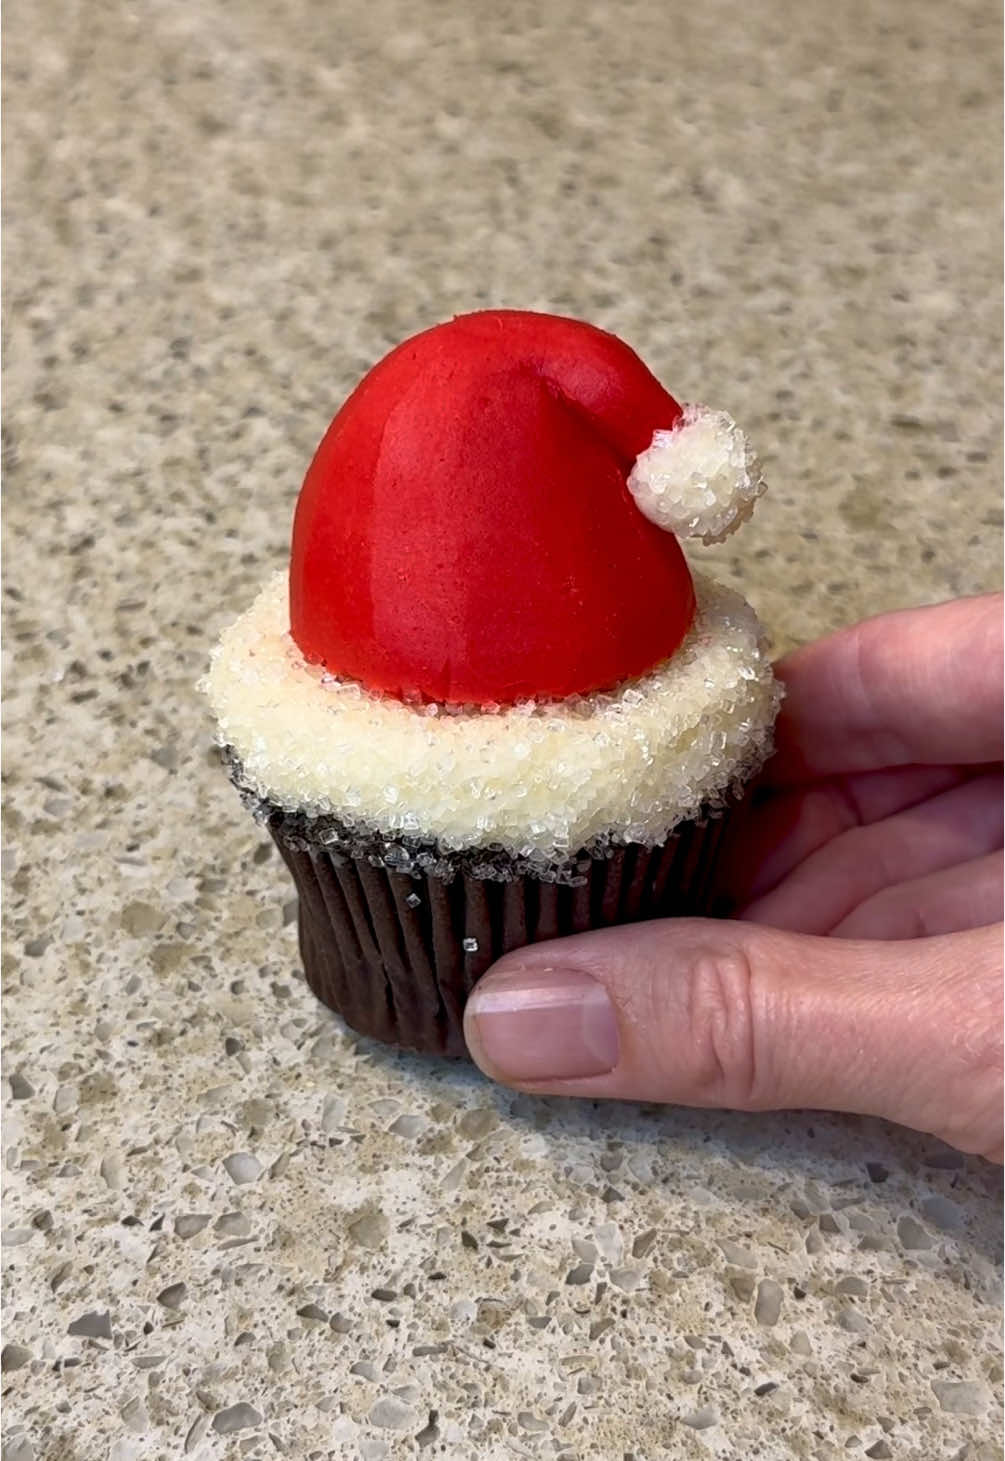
x=699 y=480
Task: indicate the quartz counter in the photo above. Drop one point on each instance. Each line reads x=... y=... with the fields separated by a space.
x=233 y=1229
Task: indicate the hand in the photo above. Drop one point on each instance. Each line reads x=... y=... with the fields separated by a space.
x=861 y=973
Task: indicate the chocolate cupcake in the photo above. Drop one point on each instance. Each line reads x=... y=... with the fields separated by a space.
x=491 y=704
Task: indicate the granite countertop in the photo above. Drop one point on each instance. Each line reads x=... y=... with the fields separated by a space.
x=232 y=1228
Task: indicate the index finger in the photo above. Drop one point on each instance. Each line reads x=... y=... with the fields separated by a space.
x=917 y=686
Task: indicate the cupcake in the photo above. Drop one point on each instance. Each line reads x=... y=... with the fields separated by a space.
x=490 y=703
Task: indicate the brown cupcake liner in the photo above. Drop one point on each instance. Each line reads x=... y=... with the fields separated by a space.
x=396 y=953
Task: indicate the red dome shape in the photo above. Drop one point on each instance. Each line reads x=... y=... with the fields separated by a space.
x=465 y=534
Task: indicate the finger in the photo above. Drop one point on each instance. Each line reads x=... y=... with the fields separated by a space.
x=966 y=896
x=827 y=886
x=709 y=1013
x=779 y=829
x=915 y=686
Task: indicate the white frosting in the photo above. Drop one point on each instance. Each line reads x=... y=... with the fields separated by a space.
x=699 y=480
x=539 y=780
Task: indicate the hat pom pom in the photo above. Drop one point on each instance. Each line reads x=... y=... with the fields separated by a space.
x=700 y=479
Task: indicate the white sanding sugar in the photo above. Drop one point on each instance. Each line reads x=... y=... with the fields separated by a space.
x=538 y=779
x=700 y=480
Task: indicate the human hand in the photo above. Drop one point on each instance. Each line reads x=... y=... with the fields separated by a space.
x=863 y=972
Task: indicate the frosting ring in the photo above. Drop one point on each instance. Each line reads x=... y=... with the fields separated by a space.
x=536 y=780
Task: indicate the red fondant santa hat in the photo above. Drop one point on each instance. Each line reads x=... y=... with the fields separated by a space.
x=491 y=515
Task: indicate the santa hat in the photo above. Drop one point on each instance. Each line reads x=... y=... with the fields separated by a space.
x=491 y=516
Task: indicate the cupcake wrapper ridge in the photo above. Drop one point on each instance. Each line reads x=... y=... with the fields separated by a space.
x=396 y=954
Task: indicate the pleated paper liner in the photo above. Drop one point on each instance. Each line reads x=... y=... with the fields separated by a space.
x=396 y=953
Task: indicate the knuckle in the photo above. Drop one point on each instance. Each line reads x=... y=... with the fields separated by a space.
x=720 y=1017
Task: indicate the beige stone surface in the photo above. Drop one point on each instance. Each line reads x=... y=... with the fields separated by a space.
x=288 y=1241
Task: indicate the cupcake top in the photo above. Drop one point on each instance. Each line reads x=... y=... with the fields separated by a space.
x=490 y=638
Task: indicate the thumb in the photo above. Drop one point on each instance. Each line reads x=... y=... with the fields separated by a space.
x=706 y=1013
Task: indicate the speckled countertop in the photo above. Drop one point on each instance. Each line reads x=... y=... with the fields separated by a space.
x=232 y=1229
